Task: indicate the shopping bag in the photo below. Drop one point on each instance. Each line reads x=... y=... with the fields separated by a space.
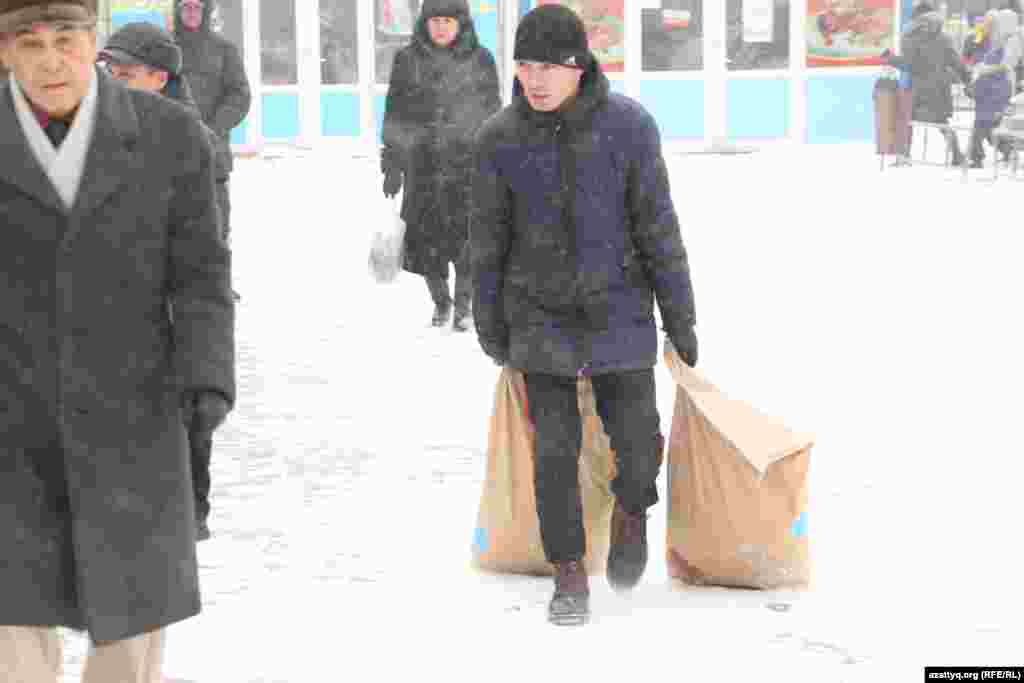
x=507 y=537
x=387 y=246
x=737 y=491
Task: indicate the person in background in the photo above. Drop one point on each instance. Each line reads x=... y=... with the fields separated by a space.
x=933 y=65
x=444 y=85
x=574 y=235
x=145 y=57
x=213 y=68
x=994 y=85
x=117 y=331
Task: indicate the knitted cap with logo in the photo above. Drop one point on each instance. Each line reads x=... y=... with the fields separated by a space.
x=19 y=14
x=552 y=34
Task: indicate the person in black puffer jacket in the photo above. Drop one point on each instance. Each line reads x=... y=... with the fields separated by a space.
x=444 y=85
x=213 y=67
x=573 y=236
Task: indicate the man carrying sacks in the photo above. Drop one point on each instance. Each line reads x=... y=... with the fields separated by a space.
x=573 y=235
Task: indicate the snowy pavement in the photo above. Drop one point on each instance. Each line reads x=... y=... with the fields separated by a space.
x=880 y=311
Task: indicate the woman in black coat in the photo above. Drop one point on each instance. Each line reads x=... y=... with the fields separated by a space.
x=444 y=85
x=934 y=65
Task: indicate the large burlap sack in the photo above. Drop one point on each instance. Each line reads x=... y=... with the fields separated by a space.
x=737 y=483
x=507 y=537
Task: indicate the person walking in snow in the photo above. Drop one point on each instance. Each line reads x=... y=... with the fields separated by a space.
x=145 y=57
x=933 y=63
x=444 y=85
x=213 y=68
x=993 y=87
x=117 y=330
x=573 y=236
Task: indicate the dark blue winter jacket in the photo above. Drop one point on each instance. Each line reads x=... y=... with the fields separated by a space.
x=573 y=233
x=992 y=91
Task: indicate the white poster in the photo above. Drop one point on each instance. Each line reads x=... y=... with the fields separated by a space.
x=758 y=21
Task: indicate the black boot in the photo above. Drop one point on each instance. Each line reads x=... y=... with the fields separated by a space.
x=570 y=605
x=438 y=287
x=627 y=555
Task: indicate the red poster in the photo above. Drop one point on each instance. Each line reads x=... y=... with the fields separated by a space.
x=606 y=29
x=849 y=32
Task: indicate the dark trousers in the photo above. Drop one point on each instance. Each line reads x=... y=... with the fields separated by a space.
x=627 y=405
x=200 y=448
x=224 y=204
x=981 y=134
x=438 y=284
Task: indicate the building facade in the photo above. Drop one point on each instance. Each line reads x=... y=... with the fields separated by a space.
x=711 y=71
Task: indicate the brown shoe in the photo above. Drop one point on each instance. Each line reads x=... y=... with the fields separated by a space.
x=627 y=555
x=570 y=605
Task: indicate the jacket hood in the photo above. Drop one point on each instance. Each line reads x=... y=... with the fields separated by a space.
x=208 y=7
x=594 y=89
x=465 y=43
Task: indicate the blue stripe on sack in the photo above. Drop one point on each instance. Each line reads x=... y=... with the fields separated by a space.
x=799 y=528
x=480 y=541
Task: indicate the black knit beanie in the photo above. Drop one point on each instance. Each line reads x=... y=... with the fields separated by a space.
x=553 y=34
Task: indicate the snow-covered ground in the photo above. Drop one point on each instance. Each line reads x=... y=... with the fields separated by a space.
x=878 y=310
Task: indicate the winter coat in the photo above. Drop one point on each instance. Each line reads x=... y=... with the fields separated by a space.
x=107 y=312
x=213 y=67
x=573 y=234
x=437 y=100
x=994 y=85
x=934 y=66
x=177 y=89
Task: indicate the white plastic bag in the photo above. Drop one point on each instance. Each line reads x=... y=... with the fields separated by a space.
x=387 y=248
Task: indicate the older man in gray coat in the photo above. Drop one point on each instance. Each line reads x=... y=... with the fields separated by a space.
x=116 y=331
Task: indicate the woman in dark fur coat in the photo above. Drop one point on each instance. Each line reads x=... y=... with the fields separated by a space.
x=444 y=85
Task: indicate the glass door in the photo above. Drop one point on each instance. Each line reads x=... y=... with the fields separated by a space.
x=757 y=76
x=681 y=78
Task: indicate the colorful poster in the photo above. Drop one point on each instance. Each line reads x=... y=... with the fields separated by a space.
x=849 y=32
x=159 y=12
x=606 y=29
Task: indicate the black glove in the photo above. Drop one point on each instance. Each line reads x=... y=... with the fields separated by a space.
x=497 y=351
x=392 y=182
x=685 y=344
x=203 y=411
x=391 y=165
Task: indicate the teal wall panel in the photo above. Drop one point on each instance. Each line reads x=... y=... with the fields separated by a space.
x=339 y=114
x=280 y=116
x=757 y=108
x=678 y=106
x=840 y=109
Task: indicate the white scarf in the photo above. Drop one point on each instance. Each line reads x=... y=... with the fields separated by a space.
x=64 y=165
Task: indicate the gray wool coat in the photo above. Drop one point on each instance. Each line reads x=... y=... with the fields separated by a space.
x=107 y=312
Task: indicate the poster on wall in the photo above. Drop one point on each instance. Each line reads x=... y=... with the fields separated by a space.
x=849 y=32
x=159 y=12
x=606 y=29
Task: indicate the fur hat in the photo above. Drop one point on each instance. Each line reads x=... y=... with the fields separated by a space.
x=923 y=7
x=444 y=8
x=17 y=14
x=143 y=43
x=552 y=34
